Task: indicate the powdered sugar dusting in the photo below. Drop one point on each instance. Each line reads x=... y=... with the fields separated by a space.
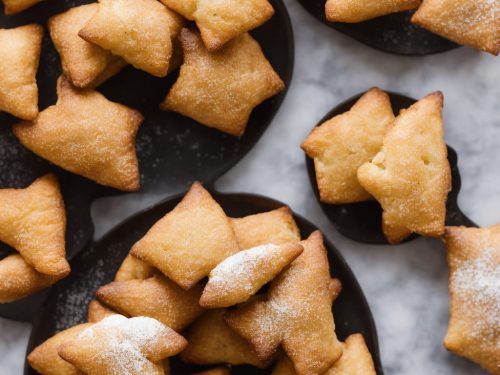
x=123 y=342
x=477 y=284
x=239 y=267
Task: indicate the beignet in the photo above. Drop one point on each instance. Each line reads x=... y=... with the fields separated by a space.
x=84 y=64
x=474 y=23
x=156 y=297
x=33 y=221
x=344 y=143
x=189 y=241
x=221 y=89
x=353 y=11
x=474 y=262
x=45 y=359
x=240 y=276
x=140 y=31
x=410 y=176
x=297 y=313
x=20 y=50
x=18 y=279
x=355 y=360
x=212 y=341
x=86 y=134
x=136 y=346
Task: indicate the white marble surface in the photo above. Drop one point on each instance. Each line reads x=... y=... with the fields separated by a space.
x=406 y=286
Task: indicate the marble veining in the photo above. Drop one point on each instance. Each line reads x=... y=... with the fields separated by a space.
x=406 y=285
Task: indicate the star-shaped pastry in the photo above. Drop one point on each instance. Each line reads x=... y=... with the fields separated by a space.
x=475 y=23
x=45 y=359
x=84 y=64
x=212 y=341
x=240 y=276
x=276 y=226
x=135 y=346
x=16 y=6
x=140 y=31
x=474 y=262
x=221 y=21
x=33 y=221
x=298 y=310
x=355 y=360
x=86 y=134
x=410 y=176
x=221 y=89
x=353 y=11
x=156 y=297
x=188 y=242
x=20 y=53
x=344 y=143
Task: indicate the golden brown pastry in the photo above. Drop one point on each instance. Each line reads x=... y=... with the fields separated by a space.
x=33 y=221
x=475 y=23
x=186 y=8
x=221 y=21
x=133 y=269
x=45 y=359
x=84 y=64
x=240 y=276
x=474 y=262
x=18 y=279
x=135 y=346
x=353 y=11
x=16 y=6
x=355 y=360
x=188 y=242
x=276 y=226
x=297 y=313
x=215 y=371
x=96 y=311
x=140 y=31
x=410 y=176
x=86 y=134
x=156 y=297
x=212 y=342
x=221 y=89
x=344 y=143
x=20 y=53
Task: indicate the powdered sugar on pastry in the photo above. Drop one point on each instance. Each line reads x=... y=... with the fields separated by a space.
x=478 y=284
x=122 y=346
x=134 y=334
x=240 y=276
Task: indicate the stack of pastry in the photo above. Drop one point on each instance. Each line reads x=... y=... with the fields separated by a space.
x=469 y=22
x=223 y=74
x=367 y=153
x=204 y=274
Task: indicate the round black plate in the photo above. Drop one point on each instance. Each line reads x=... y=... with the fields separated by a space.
x=362 y=221
x=67 y=302
x=393 y=33
x=173 y=150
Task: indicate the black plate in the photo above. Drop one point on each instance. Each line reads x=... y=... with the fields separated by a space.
x=362 y=221
x=173 y=150
x=67 y=302
x=393 y=33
